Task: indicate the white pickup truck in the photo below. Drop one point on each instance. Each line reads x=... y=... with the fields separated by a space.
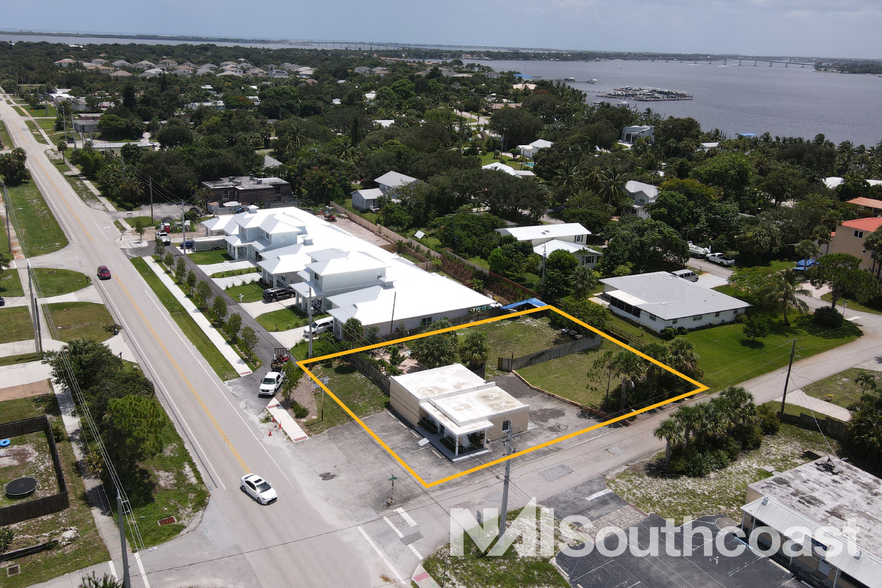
x=163 y=238
x=721 y=258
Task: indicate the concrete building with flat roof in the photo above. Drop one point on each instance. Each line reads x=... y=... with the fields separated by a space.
x=815 y=505
x=250 y=190
x=459 y=405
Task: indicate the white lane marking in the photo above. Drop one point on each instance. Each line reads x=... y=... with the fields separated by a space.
x=401 y=536
x=141 y=567
x=598 y=494
x=113 y=570
x=100 y=230
x=398 y=577
x=394 y=528
x=407 y=518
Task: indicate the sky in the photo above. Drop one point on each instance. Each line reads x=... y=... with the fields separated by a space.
x=799 y=28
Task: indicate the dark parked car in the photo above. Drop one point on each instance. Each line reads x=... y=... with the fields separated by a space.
x=103 y=272
x=2 y=302
x=273 y=294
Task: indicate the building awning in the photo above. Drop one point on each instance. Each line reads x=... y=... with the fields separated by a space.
x=456 y=430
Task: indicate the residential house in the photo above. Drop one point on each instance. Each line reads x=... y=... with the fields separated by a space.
x=452 y=402
x=365 y=71
x=834 y=182
x=831 y=511
x=86 y=123
x=583 y=254
x=105 y=69
x=642 y=195
x=121 y=73
x=151 y=73
x=499 y=166
x=392 y=181
x=870 y=205
x=278 y=74
x=144 y=65
x=250 y=190
x=99 y=61
x=632 y=133
x=121 y=63
x=167 y=64
x=660 y=299
x=530 y=151
x=849 y=238
x=546 y=239
x=379 y=71
x=65 y=62
x=367 y=199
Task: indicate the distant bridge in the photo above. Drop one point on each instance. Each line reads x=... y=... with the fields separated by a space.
x=746 y=61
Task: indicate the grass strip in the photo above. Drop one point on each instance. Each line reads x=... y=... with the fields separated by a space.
x=197 y=336
x=4 y=137
x=37 y=228
x=36 y=132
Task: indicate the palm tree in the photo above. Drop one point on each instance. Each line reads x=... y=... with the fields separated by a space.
x=714 y=421
x=682 y=356
x=672 y=432
x=568 y=179
x=807 y=249
x=583 y=280
x=631 y=368
x=739 y=405
x=784 y=288
x=474 y=350
x=613 y=186
x=873 y=242
x=657 y=351
x=691 y=419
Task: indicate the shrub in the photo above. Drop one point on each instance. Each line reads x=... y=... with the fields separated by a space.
x=749 y=437
x=768 y=419
x=828 y=317
x=58 y=433
x=740 y=318
x=669 y=332
x=299 y=410
x=682 y=331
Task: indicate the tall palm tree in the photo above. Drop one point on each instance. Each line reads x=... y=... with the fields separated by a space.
x=631 y=368
x=873 y=242
x=714 y=421
x=612 y=187
x=568 y=179
x=672 y=432
x=738 y=404
x=474 y=350
x=806 y=249
x=785 y=288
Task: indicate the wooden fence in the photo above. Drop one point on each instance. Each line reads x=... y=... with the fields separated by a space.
x=31 y=509
x=370 y=371
x=830 y=427
x=507 y=364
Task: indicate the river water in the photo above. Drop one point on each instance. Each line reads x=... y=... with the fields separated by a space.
x=783 y=101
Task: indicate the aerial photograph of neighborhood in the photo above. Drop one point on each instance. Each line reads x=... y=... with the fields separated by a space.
x=573 y=294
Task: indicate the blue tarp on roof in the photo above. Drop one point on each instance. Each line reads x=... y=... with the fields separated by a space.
x=523 y=76
x=534 y=302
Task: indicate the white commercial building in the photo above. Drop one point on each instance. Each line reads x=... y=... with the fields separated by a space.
x=660 y=300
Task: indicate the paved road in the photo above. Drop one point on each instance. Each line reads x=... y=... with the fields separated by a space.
x=299 y=539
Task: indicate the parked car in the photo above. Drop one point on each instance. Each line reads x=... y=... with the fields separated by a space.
x=270 y=383
x=163 y=237
x=103 y=272
x=273 y=294
x=189 y=244
x=258 y=489
x=318 y=327
x=721 y=258
x=686 y=274
x=697 y=250
x=2 y=302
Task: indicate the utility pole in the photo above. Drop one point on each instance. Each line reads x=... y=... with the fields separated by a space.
x=787 y=379
x=8 y=207
x=35 y=311
x=504 y=514
x=127 y=582
x=150 y=182
x=392 y=320
x=183 y=229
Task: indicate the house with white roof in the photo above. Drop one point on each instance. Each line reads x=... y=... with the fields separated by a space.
x=632 y=133
x=368 y=199
x=546 y=239
x=660 y=299
x=452 y=402
x=391 y=181
x=529 y=151
x=584 y=255
x=642 y=195
x=499 y=166
x=348 y=277
x=831 y=512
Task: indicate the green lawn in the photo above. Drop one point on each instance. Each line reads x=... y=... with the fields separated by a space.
x=283 y=319
x=774 y=265
x=10 y=284
x=197 y=336
x=37 y=229
x=251 y=292
x=728 y=357
x=85 y=194
x=875 y=305
x=36 y=132
x=480 y=262
x=516 y=337
x=841 y=389
x=17 y=359
x=80 y=320
x=88 y=549
x=371 y=217
x=17 y=325
x=209 y=257
x=4 y=137
x=361 y=395
x=42 y=111
x=55 y=282
x=21 y=111
x=568 y=376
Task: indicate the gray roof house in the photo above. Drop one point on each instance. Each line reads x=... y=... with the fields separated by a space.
x=391 y=181
x=660 y=299
x=642 y=194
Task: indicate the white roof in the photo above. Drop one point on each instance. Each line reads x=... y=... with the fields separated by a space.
x=500 y=167
x=555 y=231
x=669 y=297
x=633 y=187
x=834 y=182
x=541 y=144
x=384 y=122
x=369 y=193
x=353 y=261
x=556 y=245
x=394 y=179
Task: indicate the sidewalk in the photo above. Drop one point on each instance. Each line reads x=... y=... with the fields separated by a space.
x=237 y=362
x=286 y=421
x=800 y=398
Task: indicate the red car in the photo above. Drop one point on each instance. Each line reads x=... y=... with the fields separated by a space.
x=103 y=272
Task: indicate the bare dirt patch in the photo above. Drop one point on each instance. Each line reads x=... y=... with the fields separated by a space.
x=304 y=396
x=26 y=390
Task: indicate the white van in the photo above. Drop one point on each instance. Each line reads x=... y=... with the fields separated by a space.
x=686 y=274
x=318 y=327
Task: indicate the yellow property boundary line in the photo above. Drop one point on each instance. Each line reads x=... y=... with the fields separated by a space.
x=303 y=363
